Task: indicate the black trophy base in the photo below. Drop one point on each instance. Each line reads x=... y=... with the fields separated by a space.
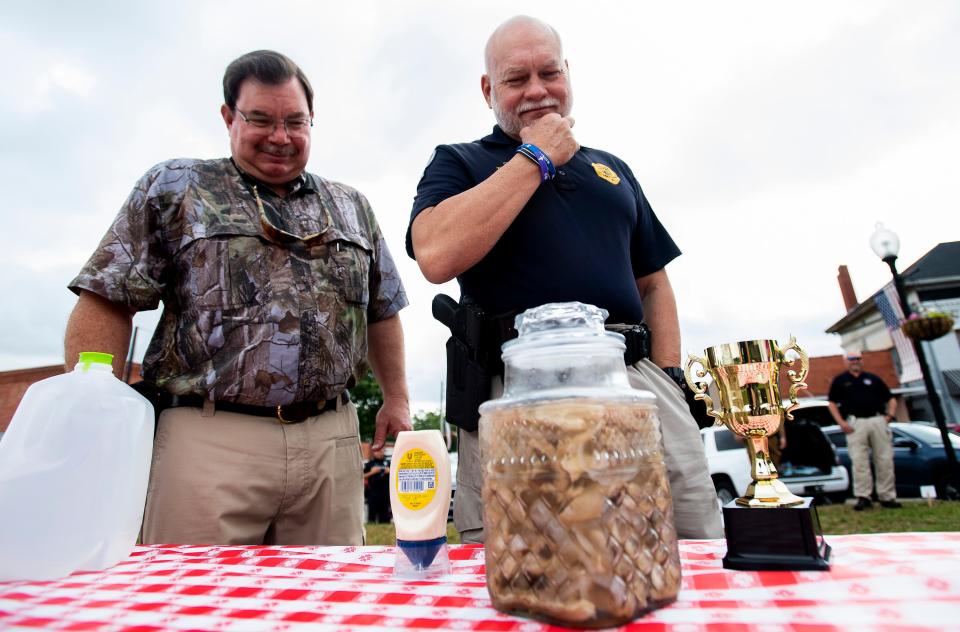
x=774 y=539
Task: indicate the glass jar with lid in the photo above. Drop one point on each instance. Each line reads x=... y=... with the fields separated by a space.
x=577 y=508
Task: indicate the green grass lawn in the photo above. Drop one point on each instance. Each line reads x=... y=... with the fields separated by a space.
x=835 y=520
x=386 y=534
x=916 y=515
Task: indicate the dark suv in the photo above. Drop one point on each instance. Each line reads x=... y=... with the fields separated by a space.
x=918 y=456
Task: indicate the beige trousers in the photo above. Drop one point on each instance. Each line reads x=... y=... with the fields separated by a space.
x=695 y=508
x=237 y=479
x=872 y=434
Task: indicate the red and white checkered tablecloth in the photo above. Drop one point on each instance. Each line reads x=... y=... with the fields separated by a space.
x=905 y=581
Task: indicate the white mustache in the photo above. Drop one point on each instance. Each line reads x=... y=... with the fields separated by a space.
x=543 y=103
x=277 y=150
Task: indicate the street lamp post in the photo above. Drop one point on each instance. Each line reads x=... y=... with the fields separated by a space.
x=886 y=245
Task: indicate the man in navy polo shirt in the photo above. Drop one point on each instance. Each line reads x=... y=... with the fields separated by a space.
x=526 y=216
x=862 y=406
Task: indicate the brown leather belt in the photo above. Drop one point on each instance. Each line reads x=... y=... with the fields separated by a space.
x=285 y=414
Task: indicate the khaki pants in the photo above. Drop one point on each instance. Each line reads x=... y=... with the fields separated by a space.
x=872 y=434
x=237 y=479
x=695 y=509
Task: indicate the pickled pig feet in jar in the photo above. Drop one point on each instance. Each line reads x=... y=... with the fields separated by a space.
x=577 y=511
x=578 y=515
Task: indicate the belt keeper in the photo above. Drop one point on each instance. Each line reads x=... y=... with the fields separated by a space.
x=209 y=408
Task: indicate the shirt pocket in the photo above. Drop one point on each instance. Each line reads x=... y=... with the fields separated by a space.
x=223 y=272
x=351 y=257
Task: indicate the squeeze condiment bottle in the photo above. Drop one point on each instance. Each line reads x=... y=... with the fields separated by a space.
x=420 y=500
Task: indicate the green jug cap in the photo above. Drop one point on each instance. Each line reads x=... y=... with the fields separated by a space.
x=94 y=357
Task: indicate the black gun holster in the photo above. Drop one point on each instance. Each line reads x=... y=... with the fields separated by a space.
x=473 y=357
x=468 y=386
x=637 y=341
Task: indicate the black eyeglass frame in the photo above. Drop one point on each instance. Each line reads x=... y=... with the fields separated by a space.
x=271 y=123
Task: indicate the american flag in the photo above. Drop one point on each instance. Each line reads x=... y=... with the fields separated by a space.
x=888 y=303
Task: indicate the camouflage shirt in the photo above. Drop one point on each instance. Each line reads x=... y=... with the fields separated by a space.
x=262 y=306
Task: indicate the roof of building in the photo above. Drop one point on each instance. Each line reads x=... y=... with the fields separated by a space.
x=939 y=265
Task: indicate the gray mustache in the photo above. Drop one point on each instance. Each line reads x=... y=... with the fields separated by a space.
x=545 y=103
x=277 y=150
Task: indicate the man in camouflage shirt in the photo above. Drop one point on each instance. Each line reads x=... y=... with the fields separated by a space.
x=277 y=288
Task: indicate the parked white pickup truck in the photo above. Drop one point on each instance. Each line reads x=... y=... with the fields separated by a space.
x=808 y=466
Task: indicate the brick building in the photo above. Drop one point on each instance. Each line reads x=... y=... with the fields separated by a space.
x=931 y=283
x=13 y=384
x=824 y=368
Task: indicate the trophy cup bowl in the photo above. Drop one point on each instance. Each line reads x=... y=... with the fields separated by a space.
x=769 y=527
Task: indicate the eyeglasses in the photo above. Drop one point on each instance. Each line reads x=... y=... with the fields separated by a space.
x=854 y=358
x=294 y=126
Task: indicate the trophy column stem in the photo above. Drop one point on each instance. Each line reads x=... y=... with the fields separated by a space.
x=762 y=467
x=766 y=490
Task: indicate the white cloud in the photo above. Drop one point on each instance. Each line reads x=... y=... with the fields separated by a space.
x=62 y=78
x=40 y=78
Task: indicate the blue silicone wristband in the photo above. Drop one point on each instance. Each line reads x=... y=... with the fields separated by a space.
x=534 y=153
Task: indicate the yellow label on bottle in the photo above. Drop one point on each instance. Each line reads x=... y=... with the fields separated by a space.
x=416 y=478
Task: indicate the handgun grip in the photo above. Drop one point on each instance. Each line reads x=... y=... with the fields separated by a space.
x=445 y=310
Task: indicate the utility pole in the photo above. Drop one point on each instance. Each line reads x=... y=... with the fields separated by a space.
x=443 y=419
x=128 y=366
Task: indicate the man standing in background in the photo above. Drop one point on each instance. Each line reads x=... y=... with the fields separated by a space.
x=376 y=475
x=862 y=406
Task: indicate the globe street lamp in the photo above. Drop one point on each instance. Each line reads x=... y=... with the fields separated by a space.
x=886 y=245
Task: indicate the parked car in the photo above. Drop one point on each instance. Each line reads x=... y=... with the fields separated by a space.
x=809 y=465
x=918 y=456
x=952 y=426
x=812 y=410
x=816 y=410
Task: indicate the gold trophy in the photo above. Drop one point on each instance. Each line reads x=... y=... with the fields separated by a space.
x=745 y=374
x=769 y=527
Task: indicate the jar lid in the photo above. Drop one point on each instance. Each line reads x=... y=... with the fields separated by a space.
x=560 y=324
x=564 y=352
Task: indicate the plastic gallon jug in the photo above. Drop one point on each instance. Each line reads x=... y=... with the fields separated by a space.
x=74 y=465
x=577 y=508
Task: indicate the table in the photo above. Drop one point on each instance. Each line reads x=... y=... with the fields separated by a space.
x=903 y=581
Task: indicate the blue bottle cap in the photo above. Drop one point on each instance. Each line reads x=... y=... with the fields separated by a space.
x=421 y=552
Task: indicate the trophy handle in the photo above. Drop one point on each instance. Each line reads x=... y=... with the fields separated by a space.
x=796 y=378
x=700 y=388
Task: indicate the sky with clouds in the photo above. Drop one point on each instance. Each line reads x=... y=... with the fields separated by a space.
x=769 y=137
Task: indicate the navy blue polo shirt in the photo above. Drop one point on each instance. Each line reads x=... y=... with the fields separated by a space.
x=863 y=396
x=586 y=235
